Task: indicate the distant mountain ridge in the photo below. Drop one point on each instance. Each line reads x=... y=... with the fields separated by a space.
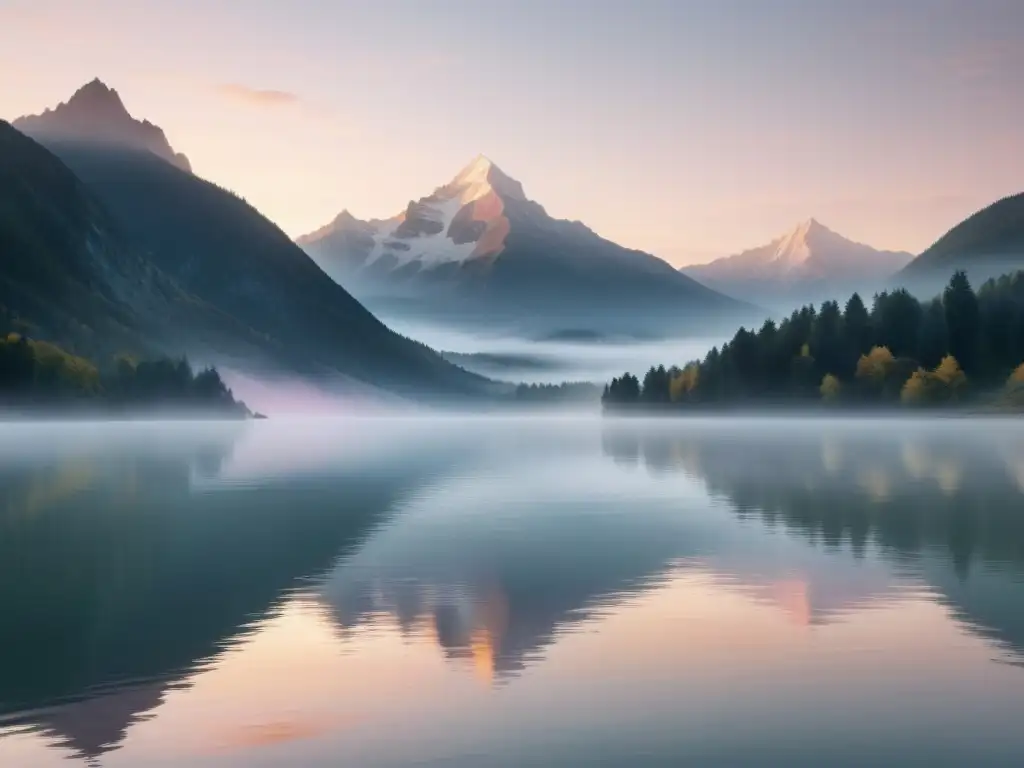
x=809 y=258
x=95 y=113
x=253 y=297
x=478 y=250
x=986 y=244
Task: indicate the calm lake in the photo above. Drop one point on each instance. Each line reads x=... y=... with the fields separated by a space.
x=513 y=591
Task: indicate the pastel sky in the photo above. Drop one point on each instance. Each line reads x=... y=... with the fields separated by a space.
x=688 y=129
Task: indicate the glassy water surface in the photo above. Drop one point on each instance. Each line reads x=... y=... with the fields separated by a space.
x=512 y=592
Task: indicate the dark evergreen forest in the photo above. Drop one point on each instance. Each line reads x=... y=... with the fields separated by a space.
x=960 y=346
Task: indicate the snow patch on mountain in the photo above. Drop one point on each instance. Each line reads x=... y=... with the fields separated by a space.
x=793 y=249
x=429 y=250
x=458 y=222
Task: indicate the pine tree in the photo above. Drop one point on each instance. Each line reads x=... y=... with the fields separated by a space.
x=963 y=321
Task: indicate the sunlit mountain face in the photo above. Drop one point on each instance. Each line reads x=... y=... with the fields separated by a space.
x=808 y=263
x=217 y=595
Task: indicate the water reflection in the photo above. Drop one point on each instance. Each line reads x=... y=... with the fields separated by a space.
x=487 y=570
x=125 y=568
x=481 y=568
x=134 y=568
x=941 y=499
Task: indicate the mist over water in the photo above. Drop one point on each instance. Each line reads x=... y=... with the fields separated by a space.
x=509 y=591
x=500 y=357
x=542 y=361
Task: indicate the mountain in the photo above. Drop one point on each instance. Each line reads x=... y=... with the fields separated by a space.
x=477 y=249
x=65 y=273
x=987 y=244
x=809 y=261
x=68 y=274
x=95 y=113
x=260 y=301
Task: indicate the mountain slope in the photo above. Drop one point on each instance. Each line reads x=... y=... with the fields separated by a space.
x=68 y=275
x=64 y=272
x=223 y=252
x=810 y=259
x=986 y=244
x=477 y=249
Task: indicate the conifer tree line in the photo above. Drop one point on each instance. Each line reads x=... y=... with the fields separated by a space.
x=38 y=373
x=901 y=351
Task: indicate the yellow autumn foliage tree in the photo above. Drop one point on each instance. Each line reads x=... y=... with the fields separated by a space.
x=917 y=389
x=831 y=388
x=875 y=365
x=684 y=383
x=950 y=374
x=58 y=369
x=1015 y=387
x=945 y=383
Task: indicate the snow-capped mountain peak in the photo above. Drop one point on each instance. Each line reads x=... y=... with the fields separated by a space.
x=808 y=253
x=477 y=248
x=458 y=222
x=479 y=179
x=798 y=245
x=476 y=171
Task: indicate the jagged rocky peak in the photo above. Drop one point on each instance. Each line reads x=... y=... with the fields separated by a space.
x=345 y=218
x=346 y=222
x=96 y=114
x=96 y=99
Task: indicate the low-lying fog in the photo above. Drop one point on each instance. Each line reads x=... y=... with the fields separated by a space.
x=516 y=360
x=530 y=361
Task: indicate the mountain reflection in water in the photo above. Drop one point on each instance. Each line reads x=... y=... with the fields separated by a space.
x=141 y=561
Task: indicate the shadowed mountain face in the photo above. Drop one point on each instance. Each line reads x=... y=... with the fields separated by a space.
x=478 y=251
x=95 y=113
x=67 y=273
x=809 y=263
x=64 y=271
x=987 y=244
x=275 y=308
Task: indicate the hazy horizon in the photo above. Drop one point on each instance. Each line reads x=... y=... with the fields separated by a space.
x=690 y=130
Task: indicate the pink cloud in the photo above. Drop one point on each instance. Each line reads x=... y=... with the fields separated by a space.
x=257 y=96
